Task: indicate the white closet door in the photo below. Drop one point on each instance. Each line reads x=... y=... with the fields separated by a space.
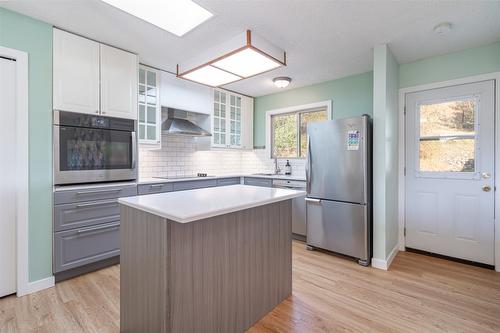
x=7 y=178
x=76 y=73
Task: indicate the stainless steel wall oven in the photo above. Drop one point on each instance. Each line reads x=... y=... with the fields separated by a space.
x=90 y=148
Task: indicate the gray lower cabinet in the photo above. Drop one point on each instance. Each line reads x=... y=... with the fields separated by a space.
x=79 y=215
x=87 y=225
x=154 y=188
x=192 y=184
x=263 y=182
x=77 y=247
x=228 y=181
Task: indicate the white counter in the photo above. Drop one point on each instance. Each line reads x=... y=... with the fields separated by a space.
x=153 y=180
x=193 y=205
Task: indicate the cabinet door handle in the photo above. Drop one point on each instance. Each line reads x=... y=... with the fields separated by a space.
x=311 y=200
x=100 y=227
x=99 y=191
x=97 y=204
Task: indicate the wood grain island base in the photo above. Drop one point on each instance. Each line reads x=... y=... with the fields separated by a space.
x=218 y=274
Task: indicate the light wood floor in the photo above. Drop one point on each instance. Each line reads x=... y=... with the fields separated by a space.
x=330 y=294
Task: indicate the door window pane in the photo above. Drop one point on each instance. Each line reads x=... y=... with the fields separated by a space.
x=448 y=136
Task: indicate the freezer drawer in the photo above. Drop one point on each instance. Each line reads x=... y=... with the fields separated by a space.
x=77 y=247
x=338 y=227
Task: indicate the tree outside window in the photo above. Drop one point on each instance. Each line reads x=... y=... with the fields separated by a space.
x=289 y=132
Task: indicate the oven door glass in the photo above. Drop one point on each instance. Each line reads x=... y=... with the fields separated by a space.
x=94 y=149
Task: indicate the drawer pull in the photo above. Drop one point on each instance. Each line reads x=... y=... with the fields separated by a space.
x=100 y=227
x=99 y=191
x=156 y=186
x=97 y=204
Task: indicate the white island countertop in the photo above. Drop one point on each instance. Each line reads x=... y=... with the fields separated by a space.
x=193 y=205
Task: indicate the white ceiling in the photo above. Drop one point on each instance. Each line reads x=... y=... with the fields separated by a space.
x=324 y=40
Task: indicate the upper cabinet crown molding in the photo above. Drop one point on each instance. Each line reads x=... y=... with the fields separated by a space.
x=90 y=77
x=76 y=73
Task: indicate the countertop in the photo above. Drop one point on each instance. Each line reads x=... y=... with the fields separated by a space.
x=173 y=180
x=193 y=205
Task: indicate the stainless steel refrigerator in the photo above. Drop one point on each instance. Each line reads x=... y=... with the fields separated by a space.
x=338 y=173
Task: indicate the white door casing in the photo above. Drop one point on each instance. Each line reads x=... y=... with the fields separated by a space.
x=8 y=256
x=447 y=210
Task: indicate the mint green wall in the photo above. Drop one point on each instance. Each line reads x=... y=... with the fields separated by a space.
x=35 y=37
x=351 y=96
x=479 y=60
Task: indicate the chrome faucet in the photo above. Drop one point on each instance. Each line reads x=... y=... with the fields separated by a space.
x=277 y=170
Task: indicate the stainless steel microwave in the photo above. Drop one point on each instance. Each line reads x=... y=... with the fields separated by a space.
x=90 y=148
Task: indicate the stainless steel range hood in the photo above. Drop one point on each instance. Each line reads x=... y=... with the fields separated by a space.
x=182 y=122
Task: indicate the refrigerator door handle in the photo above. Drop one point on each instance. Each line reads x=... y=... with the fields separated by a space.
x=316 y=201
x=308 y=166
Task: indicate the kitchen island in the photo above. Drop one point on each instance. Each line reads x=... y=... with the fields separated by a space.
x=205 y=260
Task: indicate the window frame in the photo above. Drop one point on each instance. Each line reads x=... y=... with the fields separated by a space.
x=293 y=110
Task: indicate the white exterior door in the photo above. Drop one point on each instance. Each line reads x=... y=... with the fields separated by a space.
x=119 y=71
x=76 y=73
x=450 y=171
x=8 y=256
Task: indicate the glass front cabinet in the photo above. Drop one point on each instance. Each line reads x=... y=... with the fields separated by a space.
x=149 y=123
x=232 y=125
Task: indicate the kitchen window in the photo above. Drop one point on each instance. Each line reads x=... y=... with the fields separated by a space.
x=289 y=131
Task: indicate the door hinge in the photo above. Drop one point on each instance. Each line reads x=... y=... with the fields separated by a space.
x=404 y=231
x=404 y=110
x=404 y=171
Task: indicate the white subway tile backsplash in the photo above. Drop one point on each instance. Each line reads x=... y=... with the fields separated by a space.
x=178 y=157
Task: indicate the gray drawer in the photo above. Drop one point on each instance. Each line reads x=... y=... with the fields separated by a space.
x=78 y=247
x=79 y=215
x=94 y=193
x=228 y=181
x=264 y=182
x=192 y=184
x=154 y=188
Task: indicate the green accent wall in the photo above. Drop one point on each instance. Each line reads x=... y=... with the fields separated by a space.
x=35 y=37
x=479 y=60
x=351 y=96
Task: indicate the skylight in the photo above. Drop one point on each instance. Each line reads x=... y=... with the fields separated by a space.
x=175 y=16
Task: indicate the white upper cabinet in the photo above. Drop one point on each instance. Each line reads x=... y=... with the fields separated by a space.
x=76 y=73
x=90 y=77
x=118 y=83
x=149 y=124
x=232 y=121
x=185 y=95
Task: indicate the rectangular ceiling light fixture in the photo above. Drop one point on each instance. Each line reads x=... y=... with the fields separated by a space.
x=175 y=16
x=243 y=56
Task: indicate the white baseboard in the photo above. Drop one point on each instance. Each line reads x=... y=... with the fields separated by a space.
x=33 y=287
x=384 y=264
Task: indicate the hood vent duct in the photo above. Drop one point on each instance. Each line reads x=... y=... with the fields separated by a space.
x=180 y=122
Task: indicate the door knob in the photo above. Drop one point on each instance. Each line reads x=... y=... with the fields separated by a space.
x=486 y=188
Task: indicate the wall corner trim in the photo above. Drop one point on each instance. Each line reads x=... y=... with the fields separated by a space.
x=35 y=286
x=385 y=264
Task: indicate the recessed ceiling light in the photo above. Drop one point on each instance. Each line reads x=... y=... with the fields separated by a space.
x=175 y=16
x=282 y=81
x=442 y=28
x=241 y=57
